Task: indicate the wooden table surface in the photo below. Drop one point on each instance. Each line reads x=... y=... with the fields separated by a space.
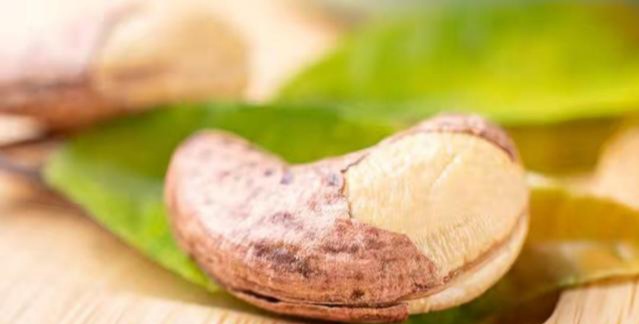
x=58 y=266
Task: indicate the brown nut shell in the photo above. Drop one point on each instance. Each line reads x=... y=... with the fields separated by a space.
x=285 y=237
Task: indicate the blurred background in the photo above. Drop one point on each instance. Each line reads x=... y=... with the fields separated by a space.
x=544 y=70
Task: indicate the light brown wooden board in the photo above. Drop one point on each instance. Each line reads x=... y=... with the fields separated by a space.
x=603 y=303
x=59 y=266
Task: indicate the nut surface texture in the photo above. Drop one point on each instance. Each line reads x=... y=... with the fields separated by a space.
x=425 y=220
x=120 y=57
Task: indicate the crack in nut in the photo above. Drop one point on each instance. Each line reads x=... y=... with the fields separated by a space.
x=369 y=236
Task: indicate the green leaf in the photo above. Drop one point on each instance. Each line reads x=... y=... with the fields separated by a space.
x=527 y=63
x=116 y=173
x=524 y=65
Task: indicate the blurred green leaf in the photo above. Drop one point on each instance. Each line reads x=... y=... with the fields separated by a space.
x=115 y=172
x=529 y=65
x=515 y=63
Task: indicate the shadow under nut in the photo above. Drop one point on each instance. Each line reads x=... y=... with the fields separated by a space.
x=283 y=237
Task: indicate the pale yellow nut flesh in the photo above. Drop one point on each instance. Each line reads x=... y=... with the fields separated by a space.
x=170 y=51
x=460 y=199
x=477 y=279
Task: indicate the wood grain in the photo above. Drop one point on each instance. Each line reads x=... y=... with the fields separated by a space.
x=59 y=266
x=602 y=303
x=69 y=303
